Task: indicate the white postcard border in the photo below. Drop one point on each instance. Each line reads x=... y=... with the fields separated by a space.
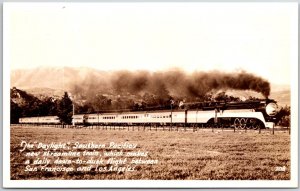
x=7 y=183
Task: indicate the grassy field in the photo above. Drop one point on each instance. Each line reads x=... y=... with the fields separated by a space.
x=202 y=155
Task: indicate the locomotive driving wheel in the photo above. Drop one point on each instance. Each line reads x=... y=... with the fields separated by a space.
x=237 y=123
x=243 y=123
x=249 y=125
x=258 y=125
x=255 y=126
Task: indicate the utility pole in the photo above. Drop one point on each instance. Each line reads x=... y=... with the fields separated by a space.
x=73 y=120
x=171 y=116
x=172 y=102
x=73 y=105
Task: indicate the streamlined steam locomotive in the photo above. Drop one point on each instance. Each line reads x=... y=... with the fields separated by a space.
x=250 y=115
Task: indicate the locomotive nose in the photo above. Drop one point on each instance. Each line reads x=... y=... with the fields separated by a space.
x=272 y=109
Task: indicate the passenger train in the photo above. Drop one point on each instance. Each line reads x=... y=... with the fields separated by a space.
x=252 y=115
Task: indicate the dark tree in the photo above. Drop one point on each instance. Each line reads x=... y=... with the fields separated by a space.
x=100 y=103
x=284 y=116
x=48 y=106
x=15 y=112
x=64 y=109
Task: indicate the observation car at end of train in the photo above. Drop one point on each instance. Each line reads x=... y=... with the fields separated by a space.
x=43 y=120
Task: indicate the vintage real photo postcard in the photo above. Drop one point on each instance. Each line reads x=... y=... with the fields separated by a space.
x=150 y=94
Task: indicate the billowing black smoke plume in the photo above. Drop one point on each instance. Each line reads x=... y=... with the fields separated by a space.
x=173 y=83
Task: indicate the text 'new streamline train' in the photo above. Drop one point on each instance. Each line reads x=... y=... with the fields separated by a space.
x=250 y=115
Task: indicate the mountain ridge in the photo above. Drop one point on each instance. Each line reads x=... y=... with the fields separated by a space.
x=55 y=80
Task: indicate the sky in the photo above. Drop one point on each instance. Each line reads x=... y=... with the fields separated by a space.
x=259 y=38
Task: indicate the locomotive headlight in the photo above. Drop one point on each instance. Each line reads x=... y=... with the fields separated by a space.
x=272 y=109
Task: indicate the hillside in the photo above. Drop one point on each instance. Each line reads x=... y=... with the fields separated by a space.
x=89 y=82
x=53 y=78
